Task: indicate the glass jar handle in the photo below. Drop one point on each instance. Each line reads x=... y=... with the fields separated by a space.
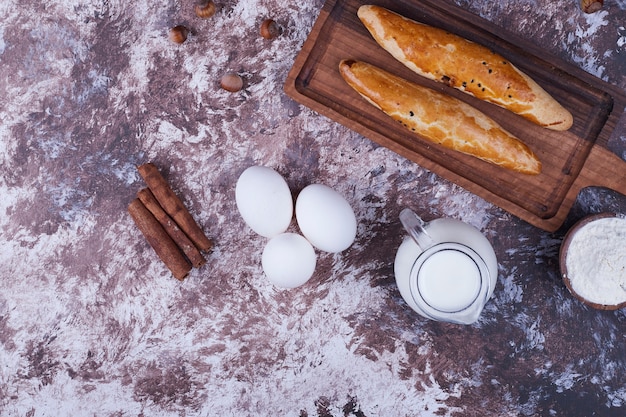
x=414 y=225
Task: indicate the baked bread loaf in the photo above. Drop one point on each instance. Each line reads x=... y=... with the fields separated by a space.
x=439 y=118
x=467 y=66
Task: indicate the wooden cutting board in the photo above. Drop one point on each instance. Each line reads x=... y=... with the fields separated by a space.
x=571 y=160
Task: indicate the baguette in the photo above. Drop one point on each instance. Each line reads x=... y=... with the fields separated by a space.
x=467 y=66
x=439 y=118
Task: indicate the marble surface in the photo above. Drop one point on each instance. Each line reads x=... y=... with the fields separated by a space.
x=92 y=323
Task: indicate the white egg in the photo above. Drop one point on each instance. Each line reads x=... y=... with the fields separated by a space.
x=264 y=201
x=325 y=218
x=288 y=260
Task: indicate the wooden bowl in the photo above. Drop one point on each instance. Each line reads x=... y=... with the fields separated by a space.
x=563 y=253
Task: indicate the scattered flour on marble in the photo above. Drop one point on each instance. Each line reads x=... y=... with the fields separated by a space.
x=596 y=261
x=531 y=405
x=319 y=359
x=617 y=397
x=595 y=22
x=143 y=318
x=587 y=57
x=531 y=327
x=167 y=133
x=8 y=145
x=61 y=399
x=3 y=44
x=621 y=41
x=546 y=249
x=534 y=336
x=511 y=291
x=469 y=208
x=565 y=380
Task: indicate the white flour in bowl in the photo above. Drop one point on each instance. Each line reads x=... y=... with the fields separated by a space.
x=596 y=261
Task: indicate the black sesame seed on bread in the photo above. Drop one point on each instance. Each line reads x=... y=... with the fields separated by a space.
x=467 y=66
x=439 y=118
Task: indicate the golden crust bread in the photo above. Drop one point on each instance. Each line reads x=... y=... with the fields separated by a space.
x=440 y=118
x=467 y=66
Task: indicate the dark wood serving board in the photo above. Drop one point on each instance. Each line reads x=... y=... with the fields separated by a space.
x=571 y=160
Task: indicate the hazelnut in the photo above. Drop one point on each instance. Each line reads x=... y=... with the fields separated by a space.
x=231 y=82
x=178 y=34
x=205 y=8
x=269 y=29
x=591 y=6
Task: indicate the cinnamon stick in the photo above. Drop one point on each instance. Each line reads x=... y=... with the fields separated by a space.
x=160 y=241
x=178 y=236
x=173 y=206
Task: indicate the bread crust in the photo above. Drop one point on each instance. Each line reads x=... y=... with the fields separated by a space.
x=465 y=65
x=439 y=118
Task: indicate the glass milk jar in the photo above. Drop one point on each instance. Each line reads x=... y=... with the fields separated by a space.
x=446 y=270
